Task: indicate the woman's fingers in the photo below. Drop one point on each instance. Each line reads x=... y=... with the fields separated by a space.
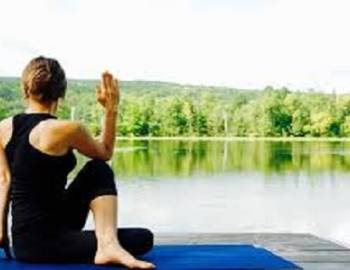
x=105 y=81
x=100 y=97
x=98 y=90
x=109 y=89
x=109 y=82
x=115 y=88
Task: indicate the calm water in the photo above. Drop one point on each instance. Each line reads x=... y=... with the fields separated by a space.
x=184 y=186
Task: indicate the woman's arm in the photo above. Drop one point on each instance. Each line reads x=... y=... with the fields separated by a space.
x=108 y=96
x=4 y=192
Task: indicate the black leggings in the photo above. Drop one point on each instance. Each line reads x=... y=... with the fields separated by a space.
x=96 y=178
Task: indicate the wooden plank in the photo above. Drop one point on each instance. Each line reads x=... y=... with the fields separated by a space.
x=271 y=240
x=342 y=256
x=325 y=266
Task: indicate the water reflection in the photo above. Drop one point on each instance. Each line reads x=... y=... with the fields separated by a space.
x=187 y=158
x=222 y=186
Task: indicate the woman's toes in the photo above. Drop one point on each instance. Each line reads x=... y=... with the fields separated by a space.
x=143 y=265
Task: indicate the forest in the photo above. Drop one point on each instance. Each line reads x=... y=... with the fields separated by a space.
x=153 y=109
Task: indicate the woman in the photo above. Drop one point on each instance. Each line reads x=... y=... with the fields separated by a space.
x=36 y=155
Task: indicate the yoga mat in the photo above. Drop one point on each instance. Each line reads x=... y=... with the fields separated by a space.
x=186 y=257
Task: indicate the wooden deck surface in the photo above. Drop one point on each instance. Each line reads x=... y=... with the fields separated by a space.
x=306 y=250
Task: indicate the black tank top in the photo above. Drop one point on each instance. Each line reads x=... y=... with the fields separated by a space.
x=37 y=179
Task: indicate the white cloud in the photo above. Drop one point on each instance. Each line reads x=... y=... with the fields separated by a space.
x=247 y=43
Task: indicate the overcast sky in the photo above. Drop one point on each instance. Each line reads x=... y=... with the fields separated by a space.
x=300 y=44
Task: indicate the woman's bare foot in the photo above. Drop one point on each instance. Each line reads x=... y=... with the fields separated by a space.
x=114 y=254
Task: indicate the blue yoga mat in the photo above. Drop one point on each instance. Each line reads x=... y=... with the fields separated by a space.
x=169 y=257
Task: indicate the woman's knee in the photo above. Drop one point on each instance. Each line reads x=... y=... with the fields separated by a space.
x=99 y=166
x=148 y=240
x=101 y=178
x=137 y=241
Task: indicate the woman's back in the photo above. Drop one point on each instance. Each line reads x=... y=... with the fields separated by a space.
x=38 y=179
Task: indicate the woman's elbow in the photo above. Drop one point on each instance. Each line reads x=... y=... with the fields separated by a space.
x=106 y=155
x=109 y=156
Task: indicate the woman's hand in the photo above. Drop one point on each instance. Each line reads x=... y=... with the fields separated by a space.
x=107 y=93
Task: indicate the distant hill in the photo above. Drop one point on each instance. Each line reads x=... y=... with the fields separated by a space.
x=151 y=108
x=162 y=88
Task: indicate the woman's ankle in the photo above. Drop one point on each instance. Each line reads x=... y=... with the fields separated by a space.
x=107 y=241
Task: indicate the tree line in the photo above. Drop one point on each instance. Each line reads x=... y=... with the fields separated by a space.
x=168 y=109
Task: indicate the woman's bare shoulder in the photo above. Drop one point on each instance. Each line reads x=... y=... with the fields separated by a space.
x=54 y=136
x=63 y=127
x=5 y=123
x=5 y=130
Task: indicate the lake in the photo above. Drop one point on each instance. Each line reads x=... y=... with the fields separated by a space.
x=235 y=186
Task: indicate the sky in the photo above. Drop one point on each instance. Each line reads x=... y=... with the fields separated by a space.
x=300 y=44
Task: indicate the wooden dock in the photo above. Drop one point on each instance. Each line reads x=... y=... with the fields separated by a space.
x=306 y=250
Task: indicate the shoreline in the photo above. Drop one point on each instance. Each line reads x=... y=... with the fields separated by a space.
x=277 y=139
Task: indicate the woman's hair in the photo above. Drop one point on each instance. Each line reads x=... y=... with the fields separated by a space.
x=44 y=79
